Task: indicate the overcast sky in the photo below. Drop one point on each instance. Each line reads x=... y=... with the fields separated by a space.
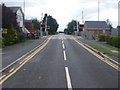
x=66 y=10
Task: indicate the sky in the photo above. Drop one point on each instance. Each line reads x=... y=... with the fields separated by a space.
x=65 y=11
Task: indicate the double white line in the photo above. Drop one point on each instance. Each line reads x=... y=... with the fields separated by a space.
x=69 y=85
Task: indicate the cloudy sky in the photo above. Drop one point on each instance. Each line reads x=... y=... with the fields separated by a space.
x=66 y=10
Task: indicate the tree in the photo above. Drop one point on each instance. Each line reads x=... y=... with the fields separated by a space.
x=36 y=24
x=52 y=23
x=109 y=24
x=71 y=27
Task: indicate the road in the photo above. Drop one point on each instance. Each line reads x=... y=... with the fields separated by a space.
x=63 y=63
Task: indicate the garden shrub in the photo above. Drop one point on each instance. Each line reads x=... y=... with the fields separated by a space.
x=101 y=37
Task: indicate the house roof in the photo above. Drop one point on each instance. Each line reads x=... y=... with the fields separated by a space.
x=97 y=24
x=15 y=9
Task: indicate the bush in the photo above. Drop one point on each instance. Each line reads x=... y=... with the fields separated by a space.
x=10 y=37
x=101 y=37
x=114 y=41
x=3 y=42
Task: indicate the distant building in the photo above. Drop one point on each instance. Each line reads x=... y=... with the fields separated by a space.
x=34 y=33
x=95 y=28
x=114 y=31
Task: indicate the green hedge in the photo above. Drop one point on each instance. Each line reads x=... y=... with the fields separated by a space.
x=11 y=37
x=114 y=41
x=101 y=37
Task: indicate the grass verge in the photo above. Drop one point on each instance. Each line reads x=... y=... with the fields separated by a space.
x=109 y=46
x=105 y=51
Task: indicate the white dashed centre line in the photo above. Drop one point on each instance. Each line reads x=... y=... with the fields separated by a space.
x=63 y=46
x=64 y=55
x=69 y=85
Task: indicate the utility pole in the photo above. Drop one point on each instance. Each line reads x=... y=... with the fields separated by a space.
x=77 y=26
x=24 y=17
x=119 y=13
x=98 y=9
x=82 y=17
x=41 y=25
x=46 y=25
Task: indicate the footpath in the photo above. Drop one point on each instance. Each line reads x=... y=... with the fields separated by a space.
x=100 y=44
x=13 y=52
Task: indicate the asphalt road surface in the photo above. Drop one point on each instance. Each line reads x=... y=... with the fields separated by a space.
x=63 y=63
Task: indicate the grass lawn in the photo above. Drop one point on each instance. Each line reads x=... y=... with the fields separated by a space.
x=109 y=46
x=105 y=51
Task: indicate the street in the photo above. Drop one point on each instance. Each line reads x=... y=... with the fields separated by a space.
x=62 y=63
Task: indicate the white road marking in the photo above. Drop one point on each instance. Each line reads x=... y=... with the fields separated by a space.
x=68 y=79
x=64 y=55
x=62 y=41
x=23 y=56
x=63 y=46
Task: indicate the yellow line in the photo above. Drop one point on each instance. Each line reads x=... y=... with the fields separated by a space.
x=2 y=76
x=98 y=56
x=27 y=59
x=11 y=69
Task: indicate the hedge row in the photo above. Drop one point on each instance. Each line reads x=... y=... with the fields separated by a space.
x=111 y=40
x=114 y=41
x=11 y=37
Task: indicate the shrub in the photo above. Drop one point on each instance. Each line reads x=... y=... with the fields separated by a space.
x=3 y=42
x=10 y=37
x=101 y=37
x=114 y=41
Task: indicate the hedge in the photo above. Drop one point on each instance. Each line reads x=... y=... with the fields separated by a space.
x=101 y=37
x=11 y=37
x=114 y=41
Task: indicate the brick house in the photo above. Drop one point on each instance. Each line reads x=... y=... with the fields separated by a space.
x=14 y=16
x=34 y=33
x=8 y=17
x=95 y=28
x=20 y=19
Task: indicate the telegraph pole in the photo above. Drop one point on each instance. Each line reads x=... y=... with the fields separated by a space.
x=77 y=26
x=24 y=16
x=98 y=9
x=46 y=25
x=82 y=17
x=41 y=25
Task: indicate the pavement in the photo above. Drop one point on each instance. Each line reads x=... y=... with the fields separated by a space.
x=100 y=44
x=63 y=63
x=13 y=52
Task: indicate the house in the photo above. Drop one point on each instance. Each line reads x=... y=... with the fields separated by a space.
x=14 y=16
x=34 y=33
x=114 y=31
x=20 y=19
x=118 y=28
x=8 y=17
x=94 y=28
